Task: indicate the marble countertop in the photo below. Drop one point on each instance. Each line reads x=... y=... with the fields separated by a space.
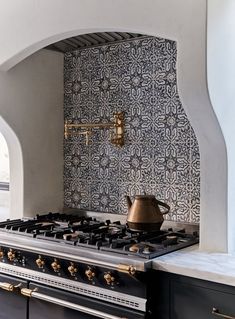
x=192 y=262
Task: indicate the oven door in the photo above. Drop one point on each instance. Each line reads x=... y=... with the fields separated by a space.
x=46 y=302
x=12 y=303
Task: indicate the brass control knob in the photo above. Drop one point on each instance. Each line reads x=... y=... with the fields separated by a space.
x=11 y=255
x=55 y=265
x=109 y=278
x=40 y=262
x=1 y=253
x=72 y=269
x=90 y=273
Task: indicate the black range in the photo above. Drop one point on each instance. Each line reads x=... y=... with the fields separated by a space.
x=82 y=257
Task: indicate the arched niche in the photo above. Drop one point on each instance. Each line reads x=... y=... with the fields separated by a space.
x=4 y=179
x=16 y=170
x=182 y=21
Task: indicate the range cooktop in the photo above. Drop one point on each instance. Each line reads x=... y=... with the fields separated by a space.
x=103 y=235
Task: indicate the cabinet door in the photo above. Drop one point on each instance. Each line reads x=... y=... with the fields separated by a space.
x=194 y=302
x=12 y=303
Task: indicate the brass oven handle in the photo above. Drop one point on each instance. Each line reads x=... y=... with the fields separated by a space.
x=99 y=314
x=9 y=287
x=215 y=312
x=6 y=286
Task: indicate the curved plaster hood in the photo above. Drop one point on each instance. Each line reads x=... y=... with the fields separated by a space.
x=183 y=21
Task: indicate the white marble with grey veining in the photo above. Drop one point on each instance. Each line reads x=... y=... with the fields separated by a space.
x=192 y=262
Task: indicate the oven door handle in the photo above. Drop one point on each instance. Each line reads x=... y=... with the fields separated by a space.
x=63 y=303
x=9 y=287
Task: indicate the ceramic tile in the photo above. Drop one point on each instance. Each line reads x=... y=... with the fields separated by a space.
x=160 y=155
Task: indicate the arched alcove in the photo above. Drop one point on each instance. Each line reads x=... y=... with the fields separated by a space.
x=4 y=179
x=182 y=21
x=16 y=170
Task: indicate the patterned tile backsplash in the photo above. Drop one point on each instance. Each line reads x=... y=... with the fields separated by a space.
x=160 y=155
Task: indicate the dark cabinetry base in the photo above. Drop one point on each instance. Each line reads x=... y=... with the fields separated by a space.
x=181 y=297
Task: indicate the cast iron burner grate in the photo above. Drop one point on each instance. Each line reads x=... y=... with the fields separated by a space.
x=80 y=231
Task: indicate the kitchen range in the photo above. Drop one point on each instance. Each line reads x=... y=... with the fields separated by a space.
x=73 y=264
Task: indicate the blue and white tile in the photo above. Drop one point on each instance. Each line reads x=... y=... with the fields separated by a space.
x=160 y=155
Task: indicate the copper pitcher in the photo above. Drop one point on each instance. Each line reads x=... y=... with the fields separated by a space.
x=144 y=214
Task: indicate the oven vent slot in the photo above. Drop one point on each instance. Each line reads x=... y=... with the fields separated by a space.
x=96 y=292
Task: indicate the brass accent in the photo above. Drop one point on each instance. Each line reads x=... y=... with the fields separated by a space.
x=72 y=269
x=40 y=262
x=109 y=278
x=116 y=137
x=6 y=286
x=90 y=273
x=144 y=214
x=131 y=270
x=11 y=255
x=1 y=253
x=134 y=248
x=9 y=287
x=87 y=134
x=55 y=265
x=27 y=292
x=215 y=312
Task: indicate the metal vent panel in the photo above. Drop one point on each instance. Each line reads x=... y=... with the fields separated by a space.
x=92 y=39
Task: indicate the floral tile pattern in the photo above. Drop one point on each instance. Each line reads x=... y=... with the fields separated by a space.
x=160 y=155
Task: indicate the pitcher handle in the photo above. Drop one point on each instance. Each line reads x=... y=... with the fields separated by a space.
x=164 y=205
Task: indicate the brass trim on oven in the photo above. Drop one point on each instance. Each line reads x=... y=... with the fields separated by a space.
x=131 y=270
x=9 y=287
x=129 y=301
x=6 y=286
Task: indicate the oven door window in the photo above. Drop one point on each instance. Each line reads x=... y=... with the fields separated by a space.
x=50 y=303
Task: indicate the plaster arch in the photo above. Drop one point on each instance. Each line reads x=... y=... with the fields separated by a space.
x=16 y=169
x=183 y=21
x=221 y=86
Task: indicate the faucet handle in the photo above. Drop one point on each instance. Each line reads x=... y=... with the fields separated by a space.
x=88 y=135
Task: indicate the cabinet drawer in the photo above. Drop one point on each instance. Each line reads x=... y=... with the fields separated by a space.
x=194 y=302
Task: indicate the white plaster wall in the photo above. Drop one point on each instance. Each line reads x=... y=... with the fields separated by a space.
x=16 y=170
x=221 y=81
x=31 y=110
x=181 y=20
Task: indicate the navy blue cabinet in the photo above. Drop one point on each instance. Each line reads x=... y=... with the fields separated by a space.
x=12 y=303
x=180 y=297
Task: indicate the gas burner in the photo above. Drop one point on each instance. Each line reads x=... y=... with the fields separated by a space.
x=170 y=240
x=88 y=232
x=147 y=249
x=142 y=248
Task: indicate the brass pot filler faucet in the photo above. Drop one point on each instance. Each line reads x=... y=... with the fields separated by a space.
x=116 y=136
